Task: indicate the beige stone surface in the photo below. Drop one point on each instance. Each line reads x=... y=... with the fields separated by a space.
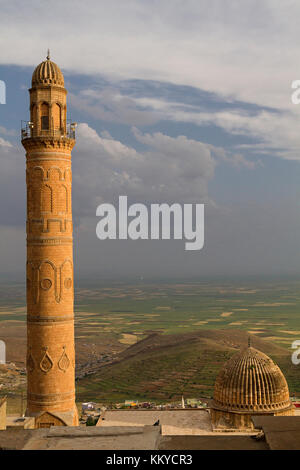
x=181 y=421
x=93 y=438
x=50 y=319
x=281 y=433
x=172 y=422
x=121 y=438
x=13 y=422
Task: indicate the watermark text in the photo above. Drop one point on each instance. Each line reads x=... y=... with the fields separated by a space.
x=2 y=92
x=161 y=222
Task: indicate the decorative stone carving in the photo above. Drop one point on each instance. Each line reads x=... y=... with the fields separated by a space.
x=46 y=284
x=46 y=363
x=68 y=283
x=46 y=198
x=64 y=361
x=43 y=275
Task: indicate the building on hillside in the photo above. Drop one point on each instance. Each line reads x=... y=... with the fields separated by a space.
x=195 y=403
x=249 y=384
x=88 y=406
x=131 y=403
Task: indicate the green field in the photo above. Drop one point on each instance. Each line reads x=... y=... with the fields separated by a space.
x=163 y=367
x=114 y=319
x=268 y=310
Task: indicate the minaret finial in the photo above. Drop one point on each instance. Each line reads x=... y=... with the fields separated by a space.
x=48 y=54
x=249 y=342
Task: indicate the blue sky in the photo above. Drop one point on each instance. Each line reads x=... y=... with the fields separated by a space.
x=179 y=101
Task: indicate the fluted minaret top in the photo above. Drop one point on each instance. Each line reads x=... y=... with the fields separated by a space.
x=47 y=73
x=249 y=382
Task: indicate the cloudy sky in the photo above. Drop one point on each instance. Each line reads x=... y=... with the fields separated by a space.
x=176 y=101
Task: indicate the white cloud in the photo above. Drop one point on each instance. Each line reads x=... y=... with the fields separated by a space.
x=169 y=169
x=111 y=106
x=247 y=50
x=274 y=132
x=5 y=131
x=239 y=50
x=4 y=144
x=12 y=184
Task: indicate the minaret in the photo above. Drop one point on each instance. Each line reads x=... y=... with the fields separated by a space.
x=48 y=140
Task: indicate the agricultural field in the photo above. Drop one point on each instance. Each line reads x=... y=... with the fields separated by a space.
x=165 y=367
x=113 y=323
x=270 y=311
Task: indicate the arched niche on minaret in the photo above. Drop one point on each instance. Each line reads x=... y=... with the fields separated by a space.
x=64 y=119
x=46 y=198
x=61 y=199
x=56 y=116
x=33 y=113
x=45 y=118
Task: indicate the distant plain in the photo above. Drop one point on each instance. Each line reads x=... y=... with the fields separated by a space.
x=111 y=319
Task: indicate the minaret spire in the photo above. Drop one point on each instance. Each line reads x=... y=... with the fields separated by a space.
x=48 y=54
x=249 y=342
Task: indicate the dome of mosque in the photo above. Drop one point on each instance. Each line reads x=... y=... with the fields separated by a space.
x=251 y=382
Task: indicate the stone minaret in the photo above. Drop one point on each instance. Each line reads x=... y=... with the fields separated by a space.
x=48 y=140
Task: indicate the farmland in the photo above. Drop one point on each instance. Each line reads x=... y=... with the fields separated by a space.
x=182 y=325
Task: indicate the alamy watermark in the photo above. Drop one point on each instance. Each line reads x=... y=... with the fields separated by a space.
x=161 y=222
x=2 y=92
x=296 y=353
x=2 y=352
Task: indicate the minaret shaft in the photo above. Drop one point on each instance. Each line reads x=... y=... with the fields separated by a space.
x=50 y=295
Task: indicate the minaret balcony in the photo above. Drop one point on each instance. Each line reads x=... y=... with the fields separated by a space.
x=29 y=131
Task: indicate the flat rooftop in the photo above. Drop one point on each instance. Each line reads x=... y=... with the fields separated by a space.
x=277 y=433
x=191 y=421
x=181 y=421
x=119 y=438
x=281 y=432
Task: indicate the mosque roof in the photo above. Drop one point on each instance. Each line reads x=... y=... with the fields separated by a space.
x=250 y=382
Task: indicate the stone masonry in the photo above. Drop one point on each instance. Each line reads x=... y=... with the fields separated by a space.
x=48 y=142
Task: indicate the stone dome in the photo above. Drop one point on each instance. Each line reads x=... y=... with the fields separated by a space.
x=47 y=73
x=251 y=382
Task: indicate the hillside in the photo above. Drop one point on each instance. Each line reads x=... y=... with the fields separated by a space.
x=163 y=367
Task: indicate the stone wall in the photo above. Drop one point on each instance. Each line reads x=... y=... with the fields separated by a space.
x=241 y=421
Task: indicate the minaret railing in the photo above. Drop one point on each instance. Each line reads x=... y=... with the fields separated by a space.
x=28 y=130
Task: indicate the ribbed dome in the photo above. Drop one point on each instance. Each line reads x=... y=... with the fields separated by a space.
x=47 y=73
x=251 y=382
